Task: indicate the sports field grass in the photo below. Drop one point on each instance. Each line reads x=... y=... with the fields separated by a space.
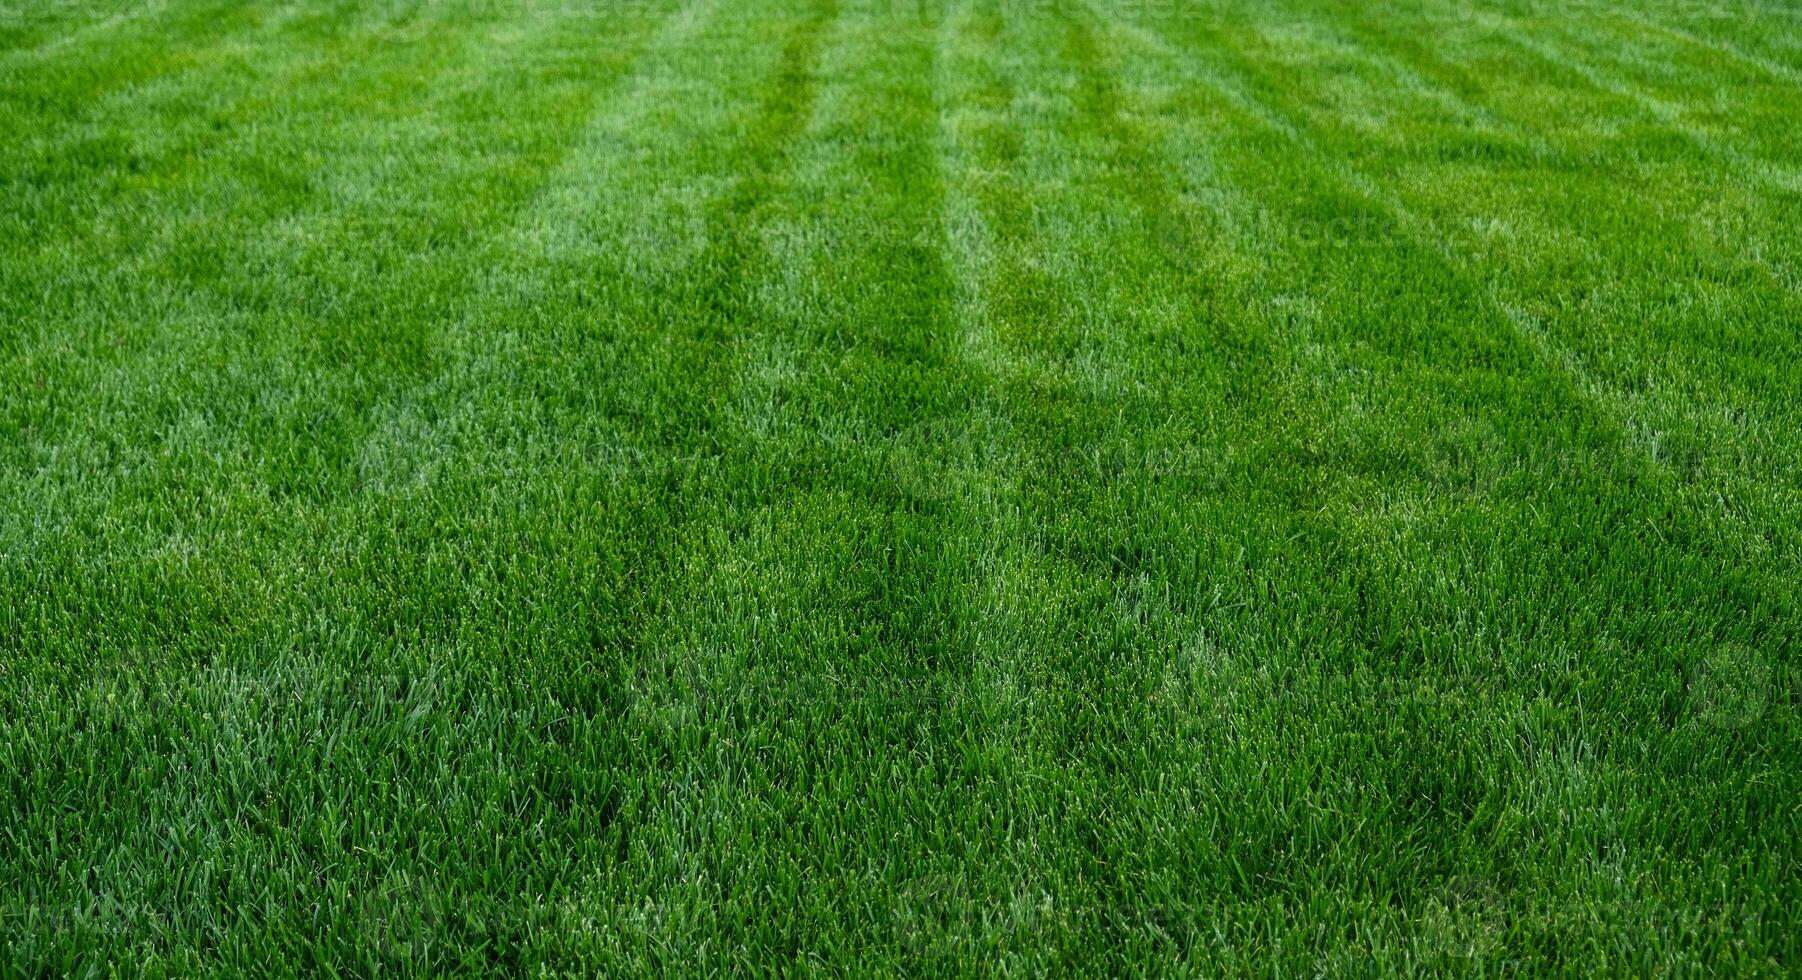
x=923 y=486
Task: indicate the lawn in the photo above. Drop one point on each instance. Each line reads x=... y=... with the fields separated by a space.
x=1098 y=487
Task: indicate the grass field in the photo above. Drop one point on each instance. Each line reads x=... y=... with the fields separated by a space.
x=1102 y=487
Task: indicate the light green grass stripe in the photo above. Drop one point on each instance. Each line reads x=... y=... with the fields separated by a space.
x=252 y=337
x=301 y=666
x=85 y=100
x=40 y=36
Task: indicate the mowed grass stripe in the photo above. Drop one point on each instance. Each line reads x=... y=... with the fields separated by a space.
x=1629 y=364
x=967 y=488
x=704 y=697
x=1677 y=85
x=325 y=693
x=270 y=406
x=1051 y=717
x=1214 y=885
x=828 y=596
x=1763 y=35
x=1739 y=618
x=1217 y=49
x=124 y=112
x=560 y=410
x=113 y=52
x=1097 y=740
x=1201 y=689
x=1484 y=74
x=1659 y=23
x=1575 y=129
x=612 y=513
x=1710 y=404
x=218 y=248
x=325 y=684
x=1362 y=183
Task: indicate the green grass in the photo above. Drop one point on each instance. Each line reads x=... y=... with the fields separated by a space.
x=1100 y=487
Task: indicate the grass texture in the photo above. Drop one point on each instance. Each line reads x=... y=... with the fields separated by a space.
x=929 y=487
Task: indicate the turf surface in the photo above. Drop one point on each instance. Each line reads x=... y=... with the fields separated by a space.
x=929 y=486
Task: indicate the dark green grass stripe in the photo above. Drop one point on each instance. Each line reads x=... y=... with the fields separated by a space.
x=1104 y=883
x=1736 y=608
x=1253 y=70
x=1647 y=237
x=850 y=685
x=721 y=295
x=1728 y=787
x=1070 y=725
